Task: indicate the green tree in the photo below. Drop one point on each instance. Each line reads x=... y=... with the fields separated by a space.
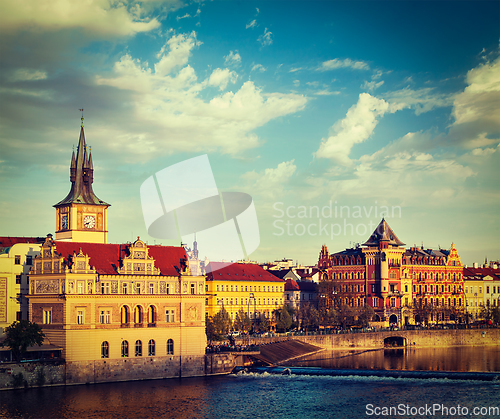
x=264 y=324
x=328 y=317
x=365 y=314
x=309 y=317
x=222 y=322
x=284 y=319
x=20 y=335
x=242 y=321
x=345 y=315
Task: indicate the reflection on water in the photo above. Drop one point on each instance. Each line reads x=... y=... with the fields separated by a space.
x=457 y=358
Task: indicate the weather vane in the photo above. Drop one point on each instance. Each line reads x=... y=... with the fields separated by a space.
x=82 y=115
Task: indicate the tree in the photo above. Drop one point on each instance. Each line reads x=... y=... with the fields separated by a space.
x=222 y=322
x=365 y=315
x=242 y=321
x=284 y=319
x=309 y=317
x=328 y=317
x=20 y=335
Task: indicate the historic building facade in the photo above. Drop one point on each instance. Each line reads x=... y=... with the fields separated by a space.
x=243 y=286
x=403 y=286
x=118 y=311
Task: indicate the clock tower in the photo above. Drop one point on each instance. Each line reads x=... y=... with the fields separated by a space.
x=82 y=216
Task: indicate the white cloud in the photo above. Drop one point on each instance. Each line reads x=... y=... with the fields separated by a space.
x=258 y=67
x=476 y=109
x=271 y=182
x=296 y=83
x=265 y=39
x=232 y=59
x=179 y=50
x=293 y=70
x=326 y=92
x=172 y=116
x=183 y=17
x=371 y=85
x=221 y=77
x=421 y=100
x=252 y=24
x=26 y=74
x=346 y=63
x=101 y=17
x=357 y=126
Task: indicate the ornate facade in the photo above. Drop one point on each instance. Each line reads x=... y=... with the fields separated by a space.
x=403 y=286
x=117 y=311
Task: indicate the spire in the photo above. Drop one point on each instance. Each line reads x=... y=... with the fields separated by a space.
x=383 y=233
x=81 y=176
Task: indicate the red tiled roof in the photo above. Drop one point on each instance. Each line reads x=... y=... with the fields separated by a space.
x=105 y=258
x=221 y=271
x=291 y=285
x=495 y=273
x=11 y=241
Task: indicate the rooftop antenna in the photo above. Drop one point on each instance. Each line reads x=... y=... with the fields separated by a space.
x=81 y=110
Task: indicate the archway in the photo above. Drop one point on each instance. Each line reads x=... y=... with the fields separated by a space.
x=393 y=319
x=376 y=318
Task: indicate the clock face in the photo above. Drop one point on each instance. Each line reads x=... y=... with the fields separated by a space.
x=65 y=221
x=89 y=221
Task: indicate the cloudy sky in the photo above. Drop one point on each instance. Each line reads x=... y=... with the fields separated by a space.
x=329 y=114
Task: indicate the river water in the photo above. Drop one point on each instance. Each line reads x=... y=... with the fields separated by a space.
x=250 y=395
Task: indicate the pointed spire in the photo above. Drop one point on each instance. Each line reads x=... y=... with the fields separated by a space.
x=81 y=176
x=383 y=233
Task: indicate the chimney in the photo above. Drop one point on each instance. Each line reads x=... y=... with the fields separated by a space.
x=475 y=265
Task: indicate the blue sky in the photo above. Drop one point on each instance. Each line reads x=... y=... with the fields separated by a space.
x=377 y=107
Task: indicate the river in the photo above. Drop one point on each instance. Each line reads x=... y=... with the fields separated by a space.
x=249 y=395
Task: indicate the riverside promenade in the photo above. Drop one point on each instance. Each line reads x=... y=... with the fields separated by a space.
x=387 y=338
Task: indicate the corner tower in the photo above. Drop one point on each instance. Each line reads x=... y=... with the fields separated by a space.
x=82 y=216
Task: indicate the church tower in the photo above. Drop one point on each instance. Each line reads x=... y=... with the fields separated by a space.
x=82 y=216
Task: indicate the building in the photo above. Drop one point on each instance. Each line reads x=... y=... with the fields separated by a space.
x=16 y=259
x=299 y=294
x=242 y=286
x=482 y=289
x=403 y=286
x=117 y=311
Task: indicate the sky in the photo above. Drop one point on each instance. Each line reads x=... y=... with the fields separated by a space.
x=330 y=114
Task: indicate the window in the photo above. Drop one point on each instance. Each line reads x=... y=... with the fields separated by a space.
x=19 y=315
x=105 y=317
x=18 y=279
x=487 y=289
x=138 y=288
x=124 y=288
x=79 y=317
x=138 y=315
x=170 y=316
x=217 y=288
x=151 y=288
x=29 y=260
x=168 y=289
x=170 y=347
x=105 y=350
x=393 y=302
x=47 y=316
x=151 y=348
x=80 y=287
x=105 y=288
x=193 y=288
x=124 y=349
x=125 y=315
x=406 y=288
x=17 y=259
x=138 y=348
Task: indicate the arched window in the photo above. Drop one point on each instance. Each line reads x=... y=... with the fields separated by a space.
x=151 y=315
x=151 y=348
x=138 y=348
x=125 y=315
x=170 y=347
x=138 y=315
x=105 y=350
x=124 y=349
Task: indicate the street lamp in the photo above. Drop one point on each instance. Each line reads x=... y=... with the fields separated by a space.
x=252 y=296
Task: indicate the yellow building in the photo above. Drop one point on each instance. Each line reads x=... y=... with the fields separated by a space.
x=242 y=286
x=16 y=259
x=482 y=289
x=117 y=311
